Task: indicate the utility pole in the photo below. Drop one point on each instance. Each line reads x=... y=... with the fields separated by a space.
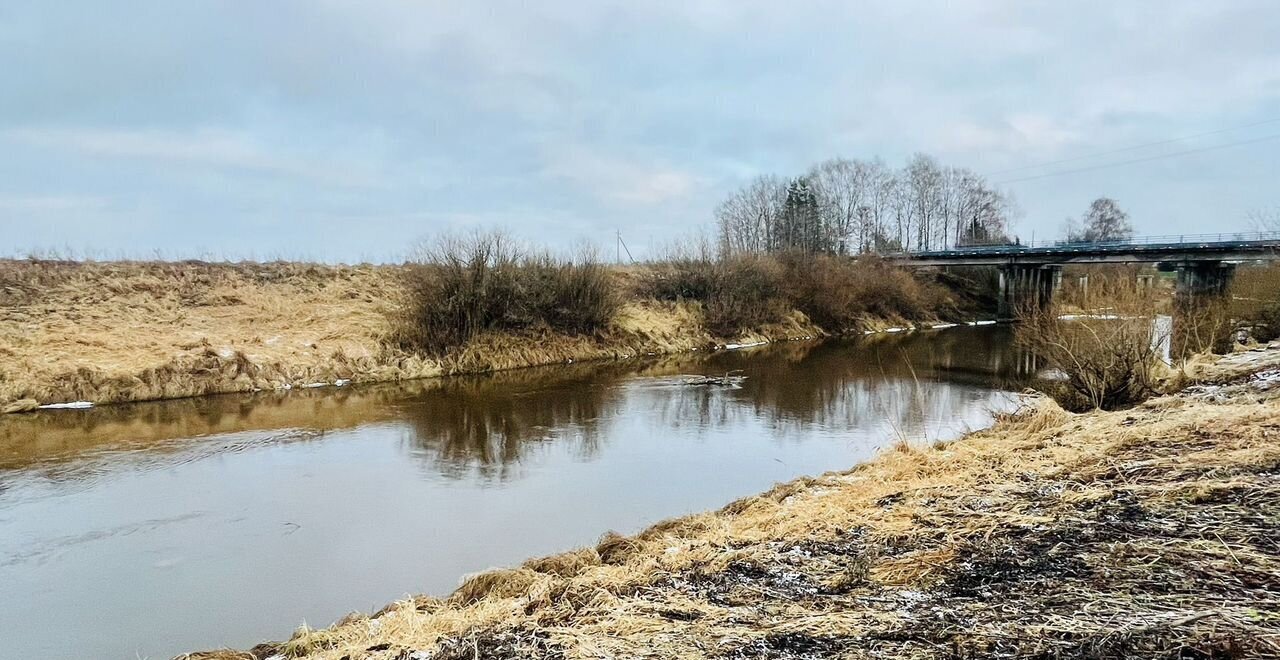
x=619 y=247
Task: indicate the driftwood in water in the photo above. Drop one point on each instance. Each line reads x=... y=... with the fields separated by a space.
x=730 y=378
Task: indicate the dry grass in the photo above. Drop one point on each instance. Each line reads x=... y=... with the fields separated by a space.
x=108 y=332
x=131 y=331
x=1143 y=533
x=1255 y=300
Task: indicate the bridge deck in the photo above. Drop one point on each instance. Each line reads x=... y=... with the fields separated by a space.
x=1209 y=247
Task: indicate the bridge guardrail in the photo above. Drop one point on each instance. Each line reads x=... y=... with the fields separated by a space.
x=1172 y=240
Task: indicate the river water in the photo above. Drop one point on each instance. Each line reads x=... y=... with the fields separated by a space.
x=147 y=530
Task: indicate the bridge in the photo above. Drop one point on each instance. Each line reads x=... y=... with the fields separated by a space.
x=1031 y=273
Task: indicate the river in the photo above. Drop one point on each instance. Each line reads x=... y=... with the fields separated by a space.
x=150 y=529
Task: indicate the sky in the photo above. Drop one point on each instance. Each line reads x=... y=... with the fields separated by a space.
x=352 y=131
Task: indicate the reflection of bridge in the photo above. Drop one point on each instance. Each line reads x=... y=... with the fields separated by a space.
x=1030 y=273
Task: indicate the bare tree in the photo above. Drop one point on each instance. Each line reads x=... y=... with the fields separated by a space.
x=924 y=184
x=840 y=186
x=1265 y=219
x=849 y=206
x=1104 y=221
x=747 y=218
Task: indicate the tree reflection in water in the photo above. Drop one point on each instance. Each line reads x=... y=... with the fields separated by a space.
x=488 y=426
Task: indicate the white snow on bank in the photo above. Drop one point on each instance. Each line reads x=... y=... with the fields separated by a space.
x=73 y=405
x=734 y=347
x=940 y=326
x=982 y=322
x=311 y=385
x=1100 y=317
x=341 y=381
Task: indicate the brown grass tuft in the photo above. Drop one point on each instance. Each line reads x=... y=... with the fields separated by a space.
x=501 y=583
x=566 y=564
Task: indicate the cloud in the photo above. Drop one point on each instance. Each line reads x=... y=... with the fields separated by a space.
x=29 y=204
x=617 y=180
x=1018 y=132
x=340 y=123
x=220 y=149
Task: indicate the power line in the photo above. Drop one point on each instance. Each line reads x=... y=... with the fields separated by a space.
x=1141 y=160
x=1132 y=148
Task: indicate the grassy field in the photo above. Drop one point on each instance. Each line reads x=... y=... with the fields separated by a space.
x=109 y=332
x=1147 y=532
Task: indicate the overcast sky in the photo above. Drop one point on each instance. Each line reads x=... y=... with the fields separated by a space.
x=345 y=131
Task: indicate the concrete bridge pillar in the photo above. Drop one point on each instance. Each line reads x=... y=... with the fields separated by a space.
x=1024 y=287
x=1203 y=279
x=1201 y=318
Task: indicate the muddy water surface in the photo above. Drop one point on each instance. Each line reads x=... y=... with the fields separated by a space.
x=147 y=530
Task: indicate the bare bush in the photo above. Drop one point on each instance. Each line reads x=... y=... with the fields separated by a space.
x=838 y=293
x=1108 y=360
x=748 y=293
x=737 y=293
x=462 y=286
x=743 y=292
x=1255 y=301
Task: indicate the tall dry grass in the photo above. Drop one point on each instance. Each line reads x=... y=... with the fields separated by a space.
x=1106 y=360
x=1255 y=301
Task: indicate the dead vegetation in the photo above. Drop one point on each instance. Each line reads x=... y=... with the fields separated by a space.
x=837 y=294
x=1145 y=533
x=1255 y=301
x=1108 y=359
x=123 y=331
x=129 y=331
x=463 y=286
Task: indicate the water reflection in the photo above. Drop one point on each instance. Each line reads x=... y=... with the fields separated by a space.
x=483 y=425
x=228 y=520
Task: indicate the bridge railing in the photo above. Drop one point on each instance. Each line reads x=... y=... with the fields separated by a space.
x=1225 y=238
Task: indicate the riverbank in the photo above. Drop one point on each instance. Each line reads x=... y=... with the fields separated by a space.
x=110 y=332
x=1147 y=532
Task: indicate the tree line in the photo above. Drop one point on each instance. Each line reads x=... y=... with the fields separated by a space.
x=851 y=206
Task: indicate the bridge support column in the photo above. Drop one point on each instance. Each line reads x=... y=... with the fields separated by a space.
x=1203 y=279
x=1201 y=317
x=1024 y=287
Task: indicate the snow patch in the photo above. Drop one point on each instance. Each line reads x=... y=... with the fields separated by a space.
x=1100 y=317
x=734 y=347
x=71 y=405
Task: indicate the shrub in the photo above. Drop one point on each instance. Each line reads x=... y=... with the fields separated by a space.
x=463 y=286
x=1107 y=361
x=680 y=278
x=1255 y=300
x=838 y=292
x=747 y=292
x=738 y=293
